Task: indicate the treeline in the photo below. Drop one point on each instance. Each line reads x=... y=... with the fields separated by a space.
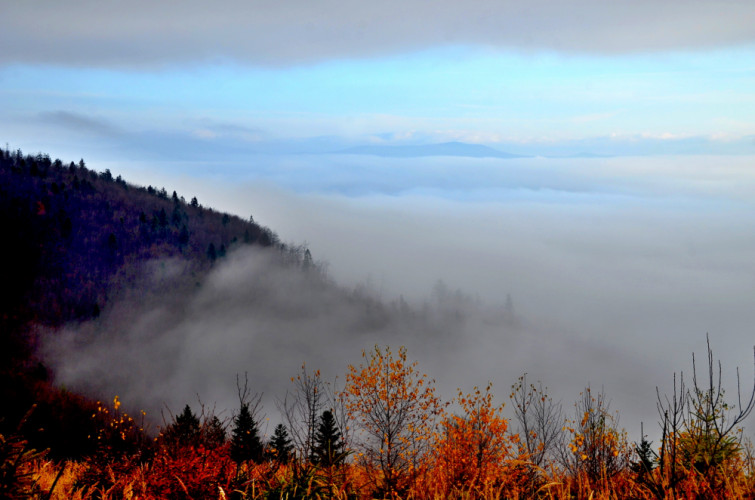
x=387 y=434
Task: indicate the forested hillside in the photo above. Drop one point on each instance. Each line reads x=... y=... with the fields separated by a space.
x=69 y=230
x=74 y=237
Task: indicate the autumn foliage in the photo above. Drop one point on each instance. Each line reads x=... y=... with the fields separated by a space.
x=395 y=409
x=473 y=452
x=405 y=442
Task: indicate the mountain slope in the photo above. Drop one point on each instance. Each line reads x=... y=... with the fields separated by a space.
x=73 y=239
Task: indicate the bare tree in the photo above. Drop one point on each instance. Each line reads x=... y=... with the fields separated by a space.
x=713 y=422
x=540 y=420
x=301 y=407
x=253 y=401
x=598 y=447
x=671 y=411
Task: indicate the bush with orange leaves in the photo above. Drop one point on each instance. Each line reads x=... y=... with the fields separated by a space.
x=473 y=453
x=394 y=409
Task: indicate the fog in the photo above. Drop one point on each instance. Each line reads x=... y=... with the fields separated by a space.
x=607 y=272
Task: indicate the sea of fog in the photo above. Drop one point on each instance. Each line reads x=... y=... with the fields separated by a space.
x=606 y=272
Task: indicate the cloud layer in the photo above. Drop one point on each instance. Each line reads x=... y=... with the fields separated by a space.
x=616 y=269
x=167 y=345
x=267 y=32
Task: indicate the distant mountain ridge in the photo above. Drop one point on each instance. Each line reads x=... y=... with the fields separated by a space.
x=441 y=149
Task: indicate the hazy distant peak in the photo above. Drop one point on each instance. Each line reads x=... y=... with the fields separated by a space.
x=441 y=149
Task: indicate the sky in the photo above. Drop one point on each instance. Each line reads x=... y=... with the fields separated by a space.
x=622 y=234
x=303 y=76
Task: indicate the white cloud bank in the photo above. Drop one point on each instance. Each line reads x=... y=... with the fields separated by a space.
x=617 y=269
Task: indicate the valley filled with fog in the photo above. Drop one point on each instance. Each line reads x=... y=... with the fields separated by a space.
x=599 y=271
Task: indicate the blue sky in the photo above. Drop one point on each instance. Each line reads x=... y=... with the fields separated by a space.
x=289 y=77
x=495 y=97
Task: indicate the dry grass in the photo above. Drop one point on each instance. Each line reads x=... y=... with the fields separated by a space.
x=263 y=481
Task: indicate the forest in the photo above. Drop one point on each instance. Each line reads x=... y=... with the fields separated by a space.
x=75 y=239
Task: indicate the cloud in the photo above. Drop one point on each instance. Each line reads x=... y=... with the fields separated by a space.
x=78 y=122
x=145 y=33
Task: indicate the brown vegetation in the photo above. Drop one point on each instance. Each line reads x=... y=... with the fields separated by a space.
x=405 y=443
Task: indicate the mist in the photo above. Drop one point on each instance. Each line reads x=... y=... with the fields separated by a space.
x=170 y=340
x=600 y=272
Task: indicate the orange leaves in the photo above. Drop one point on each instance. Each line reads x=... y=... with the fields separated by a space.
x=117 y=433
x=394 y=407
x=472 y=452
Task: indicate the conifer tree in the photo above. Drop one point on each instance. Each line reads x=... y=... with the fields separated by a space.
x=307 y=263
x=280 y=445
x=329 y=447
x=183 y=235
x=185 y=428
x=645 y=455
x=245 y=441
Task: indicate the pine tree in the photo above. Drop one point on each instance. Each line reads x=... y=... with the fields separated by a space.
x=183 y=235
x=307 y=263
x=280 y=444
x=329 y=447
x=646 y=458
x=245 y=441
x=185 y=428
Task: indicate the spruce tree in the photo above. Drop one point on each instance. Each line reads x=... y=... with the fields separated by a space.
x=245 y=441
x=185 y=428
x=280 y=444
x=646 y=456
x=329 y=447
